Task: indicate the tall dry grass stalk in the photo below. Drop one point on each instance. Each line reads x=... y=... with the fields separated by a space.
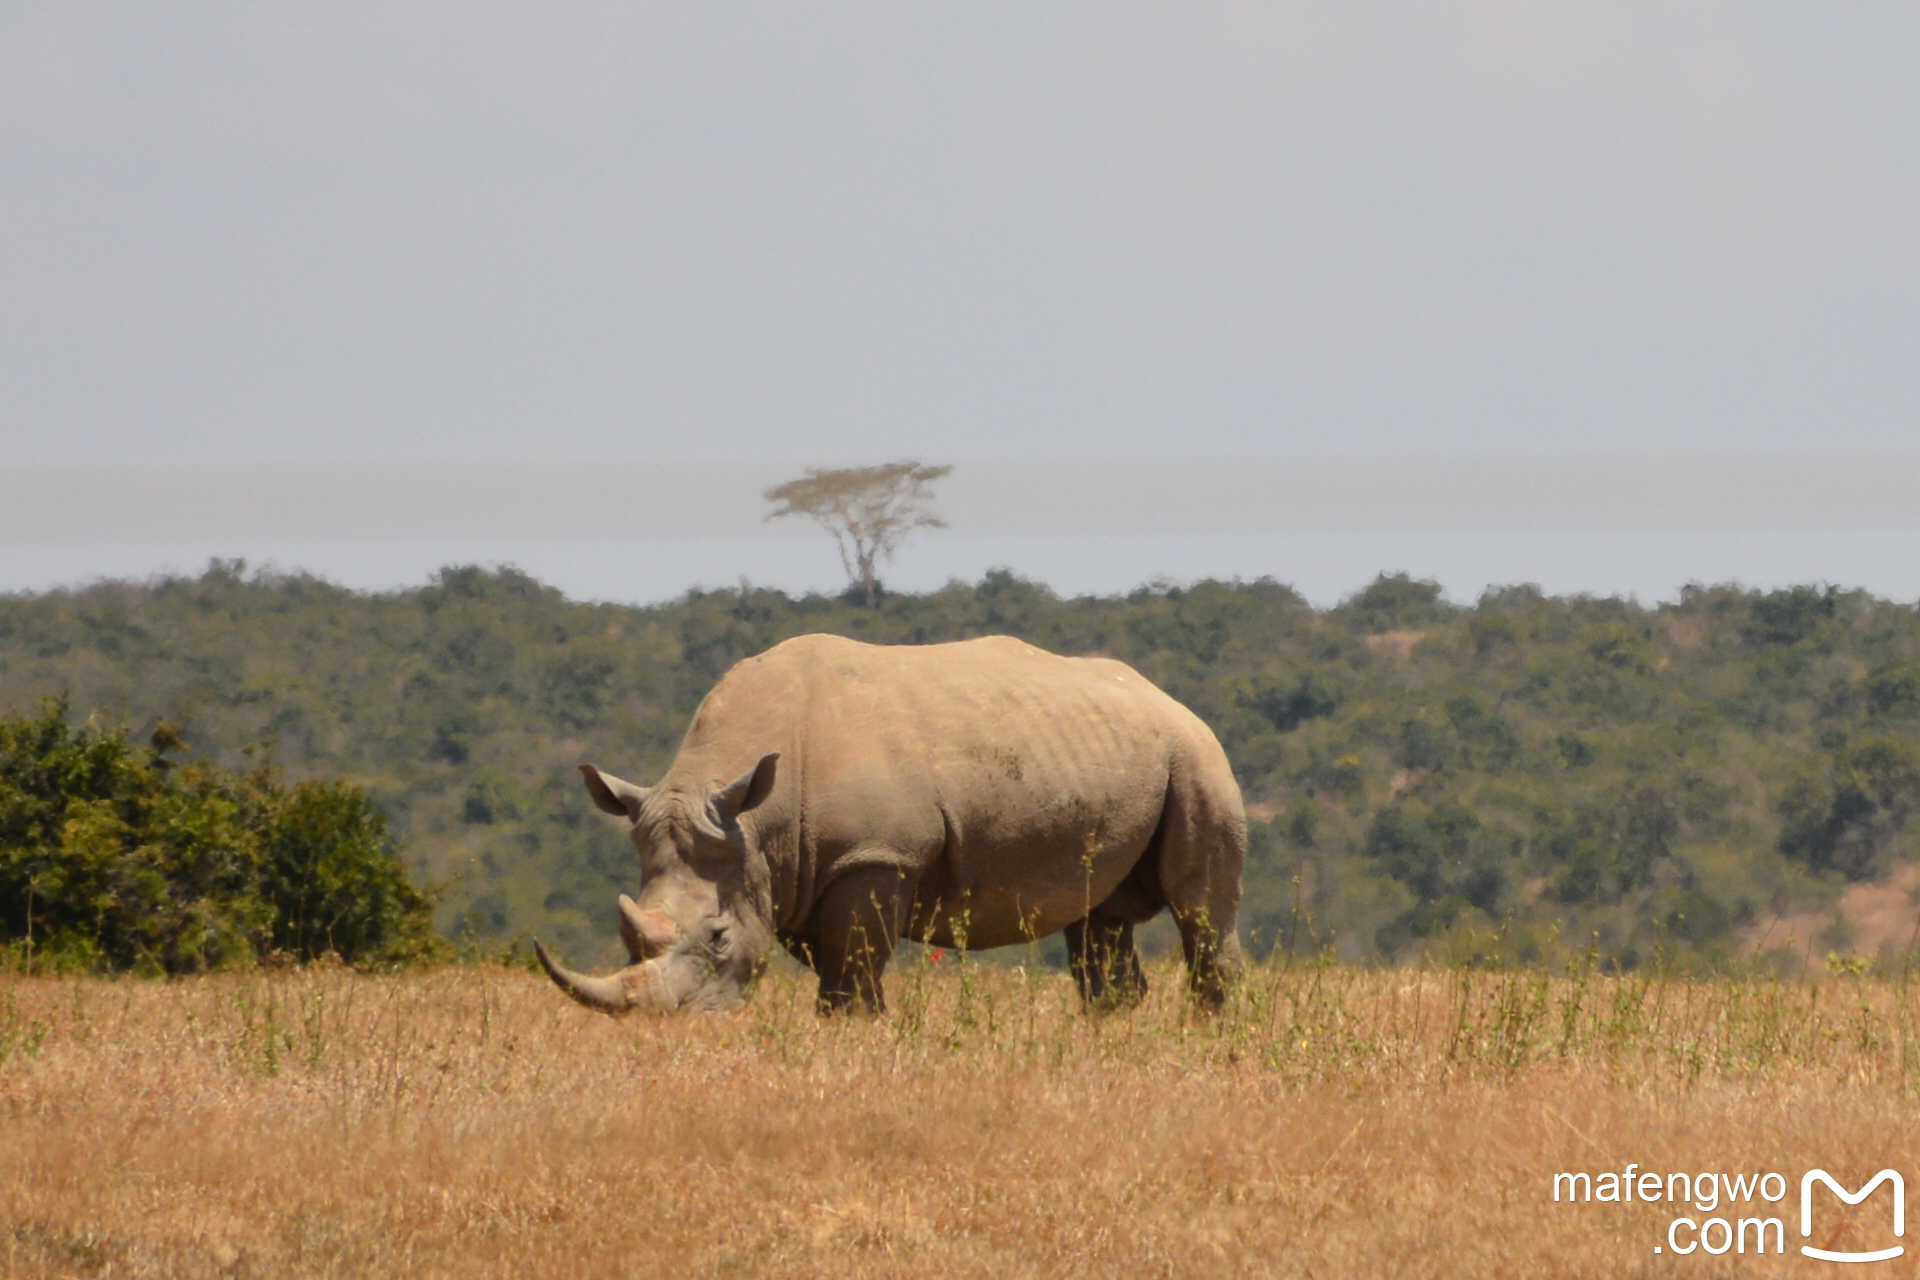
x=1335 y=1122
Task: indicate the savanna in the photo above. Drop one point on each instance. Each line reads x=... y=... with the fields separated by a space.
x=1534 y=887
x=1332 y=1121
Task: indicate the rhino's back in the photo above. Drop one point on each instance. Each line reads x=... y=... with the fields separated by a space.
x=1011 y=779
x=987 y=720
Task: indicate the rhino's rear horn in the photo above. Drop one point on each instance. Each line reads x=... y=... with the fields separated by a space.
x=607 y=995
x=646 y=933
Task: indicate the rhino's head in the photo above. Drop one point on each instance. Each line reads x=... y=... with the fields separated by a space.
x=702 y=926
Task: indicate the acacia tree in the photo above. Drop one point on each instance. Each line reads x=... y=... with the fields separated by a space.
x=868 y=510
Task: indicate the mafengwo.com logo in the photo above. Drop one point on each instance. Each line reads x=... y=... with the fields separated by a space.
x=1718 y=1213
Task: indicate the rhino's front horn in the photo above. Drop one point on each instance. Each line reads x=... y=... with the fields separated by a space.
x=608 y=995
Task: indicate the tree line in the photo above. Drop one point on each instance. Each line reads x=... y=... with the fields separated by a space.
x=1525 y=772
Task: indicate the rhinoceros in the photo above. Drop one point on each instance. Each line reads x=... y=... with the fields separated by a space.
x=836 y=796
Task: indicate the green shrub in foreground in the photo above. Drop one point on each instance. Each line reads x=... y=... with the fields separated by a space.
x=114 y=856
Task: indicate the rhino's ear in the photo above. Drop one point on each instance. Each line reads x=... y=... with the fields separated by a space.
x=743 y=793
x=614 y=795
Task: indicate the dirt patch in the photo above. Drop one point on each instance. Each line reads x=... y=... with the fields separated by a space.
x=1877 y=918
x=1684 y=633
x=1398 y=643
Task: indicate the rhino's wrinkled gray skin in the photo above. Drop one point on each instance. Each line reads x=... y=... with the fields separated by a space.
x=835 y=796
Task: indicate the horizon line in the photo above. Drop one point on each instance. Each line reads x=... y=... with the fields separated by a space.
x=361 y=501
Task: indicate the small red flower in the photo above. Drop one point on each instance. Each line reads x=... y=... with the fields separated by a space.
x=934 y=958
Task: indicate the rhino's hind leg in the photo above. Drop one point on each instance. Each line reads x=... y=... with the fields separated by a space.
x=1214 y=959
x=1100 y=951
x=1105 y=963
x=1201 y=847
x=860 y=918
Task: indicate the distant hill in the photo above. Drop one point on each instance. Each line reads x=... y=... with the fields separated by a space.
x=1528 y=775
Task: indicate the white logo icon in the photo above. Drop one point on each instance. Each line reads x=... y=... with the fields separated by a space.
x=1854 y=1197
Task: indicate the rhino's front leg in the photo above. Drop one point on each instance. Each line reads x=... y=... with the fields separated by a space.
x=860 y=918
x=798 y=947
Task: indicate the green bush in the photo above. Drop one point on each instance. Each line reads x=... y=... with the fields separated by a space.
x=1844 y=811
x=118 y=857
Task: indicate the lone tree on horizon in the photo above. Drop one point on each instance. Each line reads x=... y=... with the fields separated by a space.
x=868 y=510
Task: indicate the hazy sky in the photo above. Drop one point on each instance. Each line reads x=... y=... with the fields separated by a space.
x=615 y=235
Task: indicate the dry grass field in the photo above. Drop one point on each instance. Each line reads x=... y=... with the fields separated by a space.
x=1336 y=1122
